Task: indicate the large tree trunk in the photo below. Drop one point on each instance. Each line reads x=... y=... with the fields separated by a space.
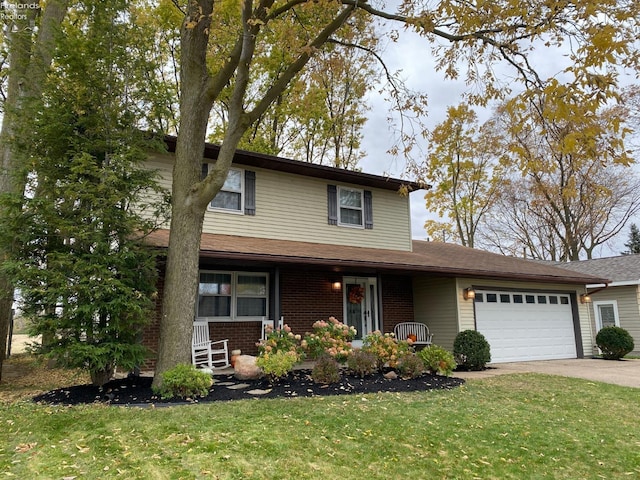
x=190 y=194
x=187 y=208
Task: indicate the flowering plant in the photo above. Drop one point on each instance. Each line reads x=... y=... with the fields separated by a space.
x=279 y=352
x=331 y=337
x=281 y=340
x=386 y=348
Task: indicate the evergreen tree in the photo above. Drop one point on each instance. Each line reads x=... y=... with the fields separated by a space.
x=633 y=245
x=86 y=280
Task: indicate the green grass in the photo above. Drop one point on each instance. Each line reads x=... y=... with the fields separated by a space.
x=510 y=426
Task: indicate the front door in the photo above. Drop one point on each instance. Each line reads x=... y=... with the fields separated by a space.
x=361 y=306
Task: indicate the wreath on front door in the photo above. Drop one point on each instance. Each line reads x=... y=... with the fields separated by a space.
x=356 y=294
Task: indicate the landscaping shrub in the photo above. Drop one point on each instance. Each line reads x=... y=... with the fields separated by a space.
x=326 y=370
x=410 y=366
x=330 y=337
x=362 y=363
x=437 y=360
x=471 y=350
x=386 y=348
x=615 y=342
x=277 y=365
x=184 y=381
x=281 y=340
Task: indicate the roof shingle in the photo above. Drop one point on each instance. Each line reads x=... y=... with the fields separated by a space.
x=427 y=257
x=624 y=268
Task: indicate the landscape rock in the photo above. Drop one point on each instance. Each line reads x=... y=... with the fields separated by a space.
x=391 y=375
x=246 y=369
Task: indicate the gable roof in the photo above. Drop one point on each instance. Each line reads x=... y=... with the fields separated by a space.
x=271 y=162
x=427 y=257
x=623 y=269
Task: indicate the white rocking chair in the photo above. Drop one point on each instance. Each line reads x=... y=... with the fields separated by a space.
x=269 y=323
x=204 y=352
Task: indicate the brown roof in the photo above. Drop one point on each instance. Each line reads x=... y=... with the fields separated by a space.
x=427 y=257
x=271 y=162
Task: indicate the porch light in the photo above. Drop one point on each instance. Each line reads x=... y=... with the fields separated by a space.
x=335 y=285
x=469 y=293
x=585 y=298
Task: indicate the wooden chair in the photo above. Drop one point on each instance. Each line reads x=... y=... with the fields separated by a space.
x=405 y=330
x=204 y=352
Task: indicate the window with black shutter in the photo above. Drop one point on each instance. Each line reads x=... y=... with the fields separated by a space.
x=349 y=207
x=238 y=194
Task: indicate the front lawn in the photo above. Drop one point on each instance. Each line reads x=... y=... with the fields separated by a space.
x=510 y=426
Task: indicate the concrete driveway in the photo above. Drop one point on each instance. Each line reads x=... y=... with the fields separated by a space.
x=622 y=372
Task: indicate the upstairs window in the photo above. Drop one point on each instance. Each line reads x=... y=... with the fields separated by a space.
x=349 y=207
x=238 y=194
x=230 y=195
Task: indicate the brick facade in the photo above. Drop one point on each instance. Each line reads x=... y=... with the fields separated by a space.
x=397 y=301
x=306 y=297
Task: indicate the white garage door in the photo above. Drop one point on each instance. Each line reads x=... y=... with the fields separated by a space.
x=526 y=326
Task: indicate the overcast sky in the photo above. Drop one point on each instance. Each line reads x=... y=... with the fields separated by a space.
x=412 y=55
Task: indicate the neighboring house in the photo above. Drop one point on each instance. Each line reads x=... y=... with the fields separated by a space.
x=302 y=241
x=619 y=303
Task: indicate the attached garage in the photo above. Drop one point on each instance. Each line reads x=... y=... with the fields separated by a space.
x=526 y=325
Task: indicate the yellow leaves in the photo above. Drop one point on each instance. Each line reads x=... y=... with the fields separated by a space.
x=82 y=449
x=254 y=21
x=25 y=447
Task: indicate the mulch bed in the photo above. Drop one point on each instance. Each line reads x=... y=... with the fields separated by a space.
x=136 y=391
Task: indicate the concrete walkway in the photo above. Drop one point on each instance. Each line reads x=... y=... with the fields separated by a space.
x=622 y=372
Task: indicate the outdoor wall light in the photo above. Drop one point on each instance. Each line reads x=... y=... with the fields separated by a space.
x=585 y=298
x=469 y=293
x=335 y=285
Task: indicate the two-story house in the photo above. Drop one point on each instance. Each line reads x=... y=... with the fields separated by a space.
x=299 y=241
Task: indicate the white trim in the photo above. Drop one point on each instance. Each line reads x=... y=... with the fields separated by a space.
x=596 y=311
x=339 y=207
x=622 y=283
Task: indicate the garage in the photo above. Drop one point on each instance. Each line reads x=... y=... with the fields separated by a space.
x=523 y=326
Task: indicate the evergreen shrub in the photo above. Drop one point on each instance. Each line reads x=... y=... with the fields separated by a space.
x=614 y=342
x=184 y=381
x=471 y=350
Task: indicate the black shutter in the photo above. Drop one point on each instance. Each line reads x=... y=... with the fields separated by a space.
x=332 y=204
x=368 y=210
x=205 y=171
x=249 y=192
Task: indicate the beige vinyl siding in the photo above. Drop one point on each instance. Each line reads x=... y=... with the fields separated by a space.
x=162 y=166
x=628 y=309
x=294 y=207
x=466 y=312
x=434 y=304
